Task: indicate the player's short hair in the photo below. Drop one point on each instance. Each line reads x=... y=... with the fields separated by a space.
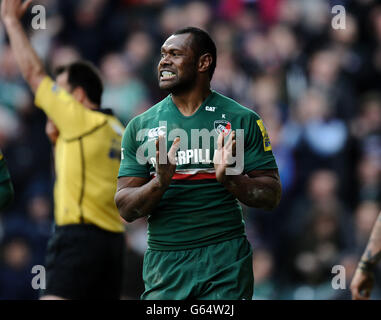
x=201 y=43
x=85 y=75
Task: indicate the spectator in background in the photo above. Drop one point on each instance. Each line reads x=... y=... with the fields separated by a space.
x=63 y=56
x=13 y=93
x=9 y=126
x=369 y=179
x=344 y=43
x=229 y=80
x=15 y=270
x=265 y=288
x=86 y=24
x=40 y=218
x=365 y=217
x=123 y=93
x=322 y=191
x=138 y=56
x=325 y=77
x=316 y=248
x=35 y=224
x=367 y=132
x=133 y=285
x=317 y=138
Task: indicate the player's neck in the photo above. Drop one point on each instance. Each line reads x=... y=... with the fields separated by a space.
x=89 y=105
x=189 y=102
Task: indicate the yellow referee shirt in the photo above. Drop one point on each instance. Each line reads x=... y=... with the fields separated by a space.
x=87 y=157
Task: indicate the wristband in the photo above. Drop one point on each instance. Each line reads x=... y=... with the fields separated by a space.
x=366 y=266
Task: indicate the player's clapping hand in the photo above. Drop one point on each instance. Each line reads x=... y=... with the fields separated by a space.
x=362 y=284
x=223 y=156
x=13 y=9
x=166 y=163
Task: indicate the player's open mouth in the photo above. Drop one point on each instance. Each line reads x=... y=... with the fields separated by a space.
x=167 y=75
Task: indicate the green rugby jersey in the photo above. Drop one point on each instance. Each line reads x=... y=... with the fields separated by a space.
x=4 y=174
x=196 y=210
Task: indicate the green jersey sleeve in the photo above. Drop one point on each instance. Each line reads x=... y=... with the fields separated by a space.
x=129 y=164
x=4 y=174
x=6 y=187
x=258 y=150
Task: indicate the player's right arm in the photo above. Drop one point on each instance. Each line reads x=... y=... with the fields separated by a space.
x=363 y=280
x=137 y=197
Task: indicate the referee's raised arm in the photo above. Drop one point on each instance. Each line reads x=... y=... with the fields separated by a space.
x=26 y=57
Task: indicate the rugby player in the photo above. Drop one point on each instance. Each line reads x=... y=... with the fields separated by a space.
x=197 y=246
x=363 y=279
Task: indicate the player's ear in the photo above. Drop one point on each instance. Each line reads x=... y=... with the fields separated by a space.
x=79 y=94
x=204 y=62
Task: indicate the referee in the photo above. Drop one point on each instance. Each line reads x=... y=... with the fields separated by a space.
x=84 y=256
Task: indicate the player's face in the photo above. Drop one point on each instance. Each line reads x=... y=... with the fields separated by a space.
x=177 y=69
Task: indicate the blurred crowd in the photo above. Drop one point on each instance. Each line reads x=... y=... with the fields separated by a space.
x=317 y=89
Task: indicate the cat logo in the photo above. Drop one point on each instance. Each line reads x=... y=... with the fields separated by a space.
x=211 y=109
x=222 y=126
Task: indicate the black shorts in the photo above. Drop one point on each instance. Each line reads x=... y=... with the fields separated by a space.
x=84 y=262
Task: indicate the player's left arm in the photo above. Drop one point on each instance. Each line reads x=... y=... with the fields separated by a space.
x=29 y=63
x=258 y=189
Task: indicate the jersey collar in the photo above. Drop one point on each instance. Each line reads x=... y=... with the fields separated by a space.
x=200 y=108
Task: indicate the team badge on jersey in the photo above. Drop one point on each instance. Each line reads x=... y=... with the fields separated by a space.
x=155 y=132
x=266 y=139
x=55 y=88
x=223 y=126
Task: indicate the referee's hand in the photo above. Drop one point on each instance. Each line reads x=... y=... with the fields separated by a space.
x=13 y=9
x=51 y=131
